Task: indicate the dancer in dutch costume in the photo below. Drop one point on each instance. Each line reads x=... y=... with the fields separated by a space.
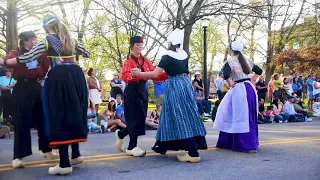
x=27 y=103
x=237 y=116
x=135 y=98
x=180 y=126
x=65 y=92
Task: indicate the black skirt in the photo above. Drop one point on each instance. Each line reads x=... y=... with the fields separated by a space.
x=67 y=103
x=135 y=107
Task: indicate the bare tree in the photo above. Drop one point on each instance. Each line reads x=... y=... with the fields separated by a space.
x=277 y=40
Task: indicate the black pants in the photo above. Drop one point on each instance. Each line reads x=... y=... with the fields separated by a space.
x=28 y=113
x=64 y=154
x=6 y=105
x=133 y=139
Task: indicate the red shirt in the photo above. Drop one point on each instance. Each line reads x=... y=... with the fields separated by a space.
x=147 y=66
x=20 y=70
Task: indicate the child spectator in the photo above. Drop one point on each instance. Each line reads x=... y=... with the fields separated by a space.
x=269 y=115
x=92 y=118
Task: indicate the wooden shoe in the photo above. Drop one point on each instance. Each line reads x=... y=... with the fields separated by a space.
x=136 y=152
x=119 y=142
x=57 y=170
x=17 y=163
x=77 y=161
x=50 y=155
x=187 y=158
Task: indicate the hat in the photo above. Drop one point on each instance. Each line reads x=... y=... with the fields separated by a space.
x=25 y=36
x=220 y=72
x=49 y=19
x=237 y=46
x=176 y=37
x=197 y=73
x=136 y=39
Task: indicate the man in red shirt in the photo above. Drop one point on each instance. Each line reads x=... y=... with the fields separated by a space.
x=135 y=98
x=28 y=111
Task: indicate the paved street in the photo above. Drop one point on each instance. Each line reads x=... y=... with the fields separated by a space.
x=288 y=151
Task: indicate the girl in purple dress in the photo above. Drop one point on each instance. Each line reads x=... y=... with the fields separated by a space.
x=237 y=115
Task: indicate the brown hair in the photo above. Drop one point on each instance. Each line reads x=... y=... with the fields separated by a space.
x=67 y=42
x=91 y=105
x=243 y=62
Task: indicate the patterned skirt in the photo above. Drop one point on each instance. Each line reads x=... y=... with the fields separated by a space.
x=180 y=121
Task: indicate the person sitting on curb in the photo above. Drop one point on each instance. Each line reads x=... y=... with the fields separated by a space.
x=204 y=106
x=4 y=130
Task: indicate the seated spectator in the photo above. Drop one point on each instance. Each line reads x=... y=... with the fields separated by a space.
x=152 y=120
x=118 y=99
x=299 y=109
x=316 y=107
x=108 y=120
x=120 y=113
x=269 y=115
x=92 y=118
x=261 y=113
x=204 y=106
x=278 y=112
x=289 y=109
x=4 y=130
x=215 y=109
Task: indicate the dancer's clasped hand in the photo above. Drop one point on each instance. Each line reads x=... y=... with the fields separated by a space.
x=135 y=71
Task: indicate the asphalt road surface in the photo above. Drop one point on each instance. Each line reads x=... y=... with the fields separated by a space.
x=289 y=151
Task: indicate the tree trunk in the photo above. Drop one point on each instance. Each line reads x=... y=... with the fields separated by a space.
x=186 y=41
x=11 y=28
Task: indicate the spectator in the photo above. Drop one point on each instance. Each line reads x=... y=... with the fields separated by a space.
x=120 y=113
x=262 y=88
x=198 y=84
x=309 y=83
x=279 y=114
x=215 y=109
x=204 y=106
x=152 y=120
x=270 y=88
x=289 y=109
x=108 y=115
x=299 y=109
x=94 y=89
x=300 y=83
x=316 y=107
x=4 y=130
x=269 y=115
x=297 y=89
x=118 y=100
x=277 y=87
x=287 y=87
x=92 y=118
x=261 y=113
x=7 y=83
x=316 y=87
x=159 y=88
x=220 y=82
x=116 y=85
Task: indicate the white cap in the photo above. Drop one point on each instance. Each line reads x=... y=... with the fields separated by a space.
x=237 y=46
x=197 y=73
x=176 y=37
